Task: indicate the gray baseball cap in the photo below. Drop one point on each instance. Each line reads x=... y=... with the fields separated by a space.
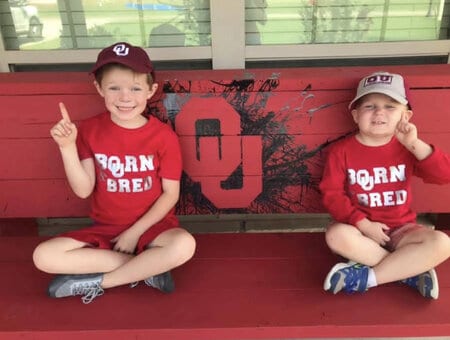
x=390 y=84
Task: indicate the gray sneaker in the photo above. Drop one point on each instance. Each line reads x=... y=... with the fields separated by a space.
x=162 y=282
x=87 y=285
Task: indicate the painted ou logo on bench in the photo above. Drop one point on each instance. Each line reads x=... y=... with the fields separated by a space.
x=213 y=155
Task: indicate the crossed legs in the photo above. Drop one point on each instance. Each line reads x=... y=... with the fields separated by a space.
x=62 y=255
x=418 y=251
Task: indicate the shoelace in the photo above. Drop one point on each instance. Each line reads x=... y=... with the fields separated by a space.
x=351 y=280
x=134 y=284
x=89 y=291
x=149 y=282
x=411 y=281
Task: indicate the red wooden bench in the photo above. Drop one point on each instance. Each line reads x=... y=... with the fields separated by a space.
x=253 y=145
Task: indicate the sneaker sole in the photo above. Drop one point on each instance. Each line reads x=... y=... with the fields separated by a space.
x=434 y=293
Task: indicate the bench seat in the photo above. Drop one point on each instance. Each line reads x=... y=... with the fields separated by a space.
x=237 y=286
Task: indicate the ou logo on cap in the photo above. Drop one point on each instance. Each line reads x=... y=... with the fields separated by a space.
x=378 y=79
x=121 y=50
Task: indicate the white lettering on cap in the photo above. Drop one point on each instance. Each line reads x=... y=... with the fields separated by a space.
x=121 y=50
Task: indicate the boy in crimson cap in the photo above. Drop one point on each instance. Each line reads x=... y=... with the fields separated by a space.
x=129 y=164
x=366 y=187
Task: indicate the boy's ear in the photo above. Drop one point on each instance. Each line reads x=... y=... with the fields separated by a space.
x=98 y=88
x=153 y=90
x=408 y=114
x=354 y=113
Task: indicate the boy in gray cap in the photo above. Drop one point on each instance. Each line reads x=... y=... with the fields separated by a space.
x=366 y=188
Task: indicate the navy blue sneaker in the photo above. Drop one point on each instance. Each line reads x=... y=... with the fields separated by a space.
x=350 y=277
x=426 y=283
x=87 y=285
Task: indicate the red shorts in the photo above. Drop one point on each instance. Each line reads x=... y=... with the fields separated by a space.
x=396 y=234
x=100 y=235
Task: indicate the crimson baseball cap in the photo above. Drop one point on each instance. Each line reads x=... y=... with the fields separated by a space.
x=390 y=84
x=123 y=53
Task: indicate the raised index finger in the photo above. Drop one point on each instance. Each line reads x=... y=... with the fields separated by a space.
x=64 y=113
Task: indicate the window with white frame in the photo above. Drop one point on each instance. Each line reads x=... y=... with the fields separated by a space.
x=33 y=31
x=275 y=22
x=84 y=24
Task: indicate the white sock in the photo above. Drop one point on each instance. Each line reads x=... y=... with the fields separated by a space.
x=371 y=279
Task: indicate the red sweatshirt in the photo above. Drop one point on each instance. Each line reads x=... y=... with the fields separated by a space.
x=375 y=182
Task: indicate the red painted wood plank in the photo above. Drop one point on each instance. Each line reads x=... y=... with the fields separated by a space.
x=430 y=109
x=33 y=116
x=313 y=112
x=40 y=198
x=203 y=157
x=308 y=112
x=18 y=249
x=31 y=159
x=328 y=78
x=268 y=301
x=248 y=296
x=53 y=197
x=49 y=83
x=325 y=113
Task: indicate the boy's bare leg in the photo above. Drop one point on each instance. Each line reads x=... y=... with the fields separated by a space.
x=417 y=252
x=68 y=256
x=347 y=241
x=62 y=255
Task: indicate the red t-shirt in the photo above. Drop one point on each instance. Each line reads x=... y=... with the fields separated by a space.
x=129 y=166
x=375 y=182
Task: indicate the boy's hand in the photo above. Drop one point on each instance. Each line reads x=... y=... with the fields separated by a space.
x=64 y=132
x=375 y=231
x=406 y=132
x=126 y=242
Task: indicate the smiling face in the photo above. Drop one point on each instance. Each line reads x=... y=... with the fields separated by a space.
x=377 y=116
x=125 y=93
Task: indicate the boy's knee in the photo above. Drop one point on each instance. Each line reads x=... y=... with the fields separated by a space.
x=40 y=255
x=441 y=242
x=44 y=257
x=181 y=247
x=187 y=245
x=335 y=236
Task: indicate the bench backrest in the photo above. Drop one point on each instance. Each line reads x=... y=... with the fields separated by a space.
x=253 y=141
